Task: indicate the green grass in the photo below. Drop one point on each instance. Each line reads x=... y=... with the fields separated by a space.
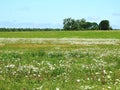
x=51 y=65
x=62 y=34
x=31 y=66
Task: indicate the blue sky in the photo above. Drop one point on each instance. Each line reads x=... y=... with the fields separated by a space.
x=50 y=13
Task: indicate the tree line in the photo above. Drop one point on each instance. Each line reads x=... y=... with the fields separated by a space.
x=82 y=24
x=28 y=29
x=69 y=24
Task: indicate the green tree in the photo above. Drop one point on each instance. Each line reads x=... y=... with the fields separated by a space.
x=70 y=24
x=79 y=24
x=83 y=24
x=67 y=24
x=74 y=25
x=104 y=25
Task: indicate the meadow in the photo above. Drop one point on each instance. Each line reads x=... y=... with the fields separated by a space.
x=75 y=60
x=62 y=34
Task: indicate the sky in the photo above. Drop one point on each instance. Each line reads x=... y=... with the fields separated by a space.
x=50 y=13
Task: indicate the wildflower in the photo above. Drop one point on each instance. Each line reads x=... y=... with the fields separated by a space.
x=38 y=75
x=57 y=88
x=108 y=76
x=99 y=79
x=97 y=73
x=109 y=87
x=104 y=72
x=39 y=88
x=78 y=80
x=10 y=66
x=88 y=88
x=110 y=72
x=88 y=79
x=117 y=80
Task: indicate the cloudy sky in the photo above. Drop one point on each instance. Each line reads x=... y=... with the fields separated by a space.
x=50 y=13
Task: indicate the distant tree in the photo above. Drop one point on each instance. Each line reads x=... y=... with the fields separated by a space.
x=104 y=25
x=74 y=25
x=67 y=23
x=70 y=24
x=78 y=24
x=88 y=25
x=83 y=24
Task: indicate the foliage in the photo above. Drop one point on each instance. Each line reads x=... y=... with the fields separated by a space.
x=69 y=24
x=104 y=25
x=82 y=24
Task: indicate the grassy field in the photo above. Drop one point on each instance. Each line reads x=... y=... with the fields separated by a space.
x=62 y=34
x=64 y=62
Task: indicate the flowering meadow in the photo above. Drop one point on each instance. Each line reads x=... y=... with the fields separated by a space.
x=59 y=64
